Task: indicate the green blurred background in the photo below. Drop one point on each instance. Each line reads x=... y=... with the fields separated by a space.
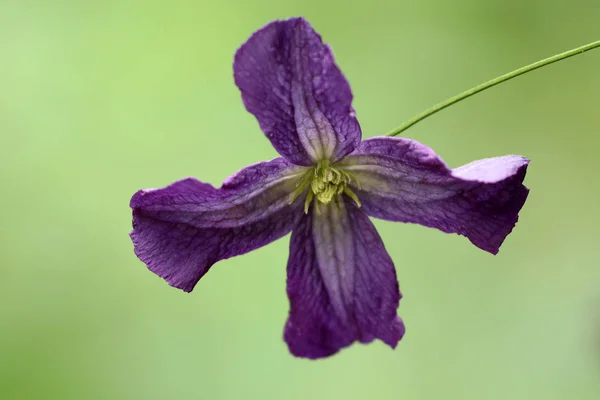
x=101 y=98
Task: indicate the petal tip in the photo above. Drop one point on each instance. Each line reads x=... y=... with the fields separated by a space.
x=396 y=333
x=494 y=242
x=137 y=196
x=141 y=249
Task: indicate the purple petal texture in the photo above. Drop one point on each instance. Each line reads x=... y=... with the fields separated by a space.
x=341 y=284
x=403 y=180
x=181 y=230
x=303 y=103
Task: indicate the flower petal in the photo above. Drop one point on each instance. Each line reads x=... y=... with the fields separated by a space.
x=403 y=180
x=303 y=103
x=341 y=284
x=181 y=230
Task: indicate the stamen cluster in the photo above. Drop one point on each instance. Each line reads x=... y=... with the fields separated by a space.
x=326 y=183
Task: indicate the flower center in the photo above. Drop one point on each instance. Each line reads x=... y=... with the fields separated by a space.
x=327 y=183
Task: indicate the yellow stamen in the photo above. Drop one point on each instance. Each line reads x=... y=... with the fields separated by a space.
x=325 y=183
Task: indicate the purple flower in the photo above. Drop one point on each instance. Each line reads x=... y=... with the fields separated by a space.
x=341 y=281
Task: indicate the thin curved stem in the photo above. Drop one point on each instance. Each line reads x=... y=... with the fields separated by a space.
x=480 y=88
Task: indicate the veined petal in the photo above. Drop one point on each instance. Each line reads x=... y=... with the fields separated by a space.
x=181 y=230
x=403 y=180
x=303 y=103
x=341 y=284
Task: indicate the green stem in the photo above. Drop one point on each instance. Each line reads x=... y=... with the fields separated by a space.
x=480 y=88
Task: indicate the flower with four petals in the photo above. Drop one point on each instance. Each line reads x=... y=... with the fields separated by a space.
x=341 y=282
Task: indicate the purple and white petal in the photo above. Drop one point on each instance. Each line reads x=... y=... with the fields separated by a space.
x=341 y=284
x=181 y=230
x=303 y=103
x=403 y=180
